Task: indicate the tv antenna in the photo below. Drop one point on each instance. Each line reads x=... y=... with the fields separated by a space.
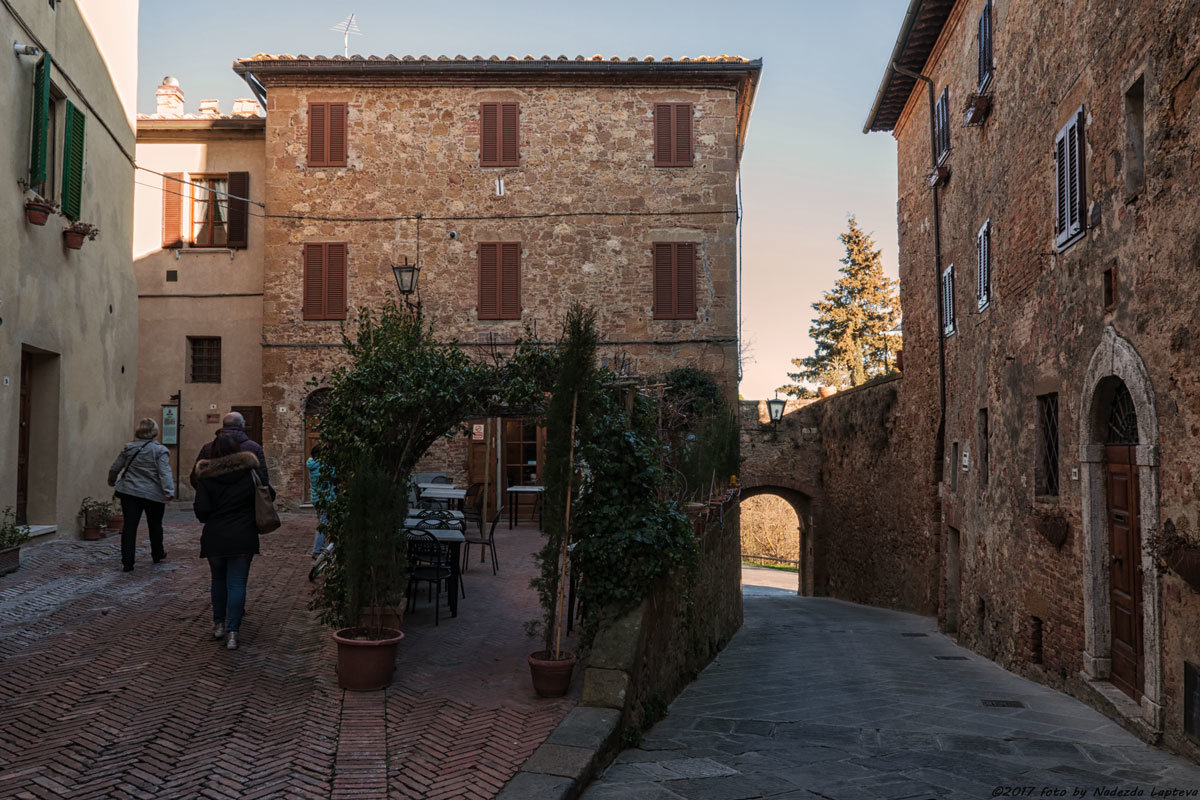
x=346 y=27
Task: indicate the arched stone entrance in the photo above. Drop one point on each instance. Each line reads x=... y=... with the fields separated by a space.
x=1117 y=391
x=314 y=407
x=801 y=503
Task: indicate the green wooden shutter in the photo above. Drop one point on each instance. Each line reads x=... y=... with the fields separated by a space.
x=39 y=149
x=72 y=185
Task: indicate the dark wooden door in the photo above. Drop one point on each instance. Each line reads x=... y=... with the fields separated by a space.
x=1125 y=571
x=26 y=406
x=253 y=417
x=481 y=460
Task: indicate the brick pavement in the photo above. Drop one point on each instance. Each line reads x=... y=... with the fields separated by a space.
x=816 y=698
x=112 y=687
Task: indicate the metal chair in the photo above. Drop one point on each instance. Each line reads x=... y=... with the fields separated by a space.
x=429 y=562
x=484 y=542
x=472 y=506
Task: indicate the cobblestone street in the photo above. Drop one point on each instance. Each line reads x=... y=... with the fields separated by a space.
x=816 y=698
x=111 y=685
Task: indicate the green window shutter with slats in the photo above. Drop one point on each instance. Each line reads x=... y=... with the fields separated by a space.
x=39 y=149
x=72 y=185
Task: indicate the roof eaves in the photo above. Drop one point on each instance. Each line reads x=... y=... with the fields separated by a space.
x=922 y=25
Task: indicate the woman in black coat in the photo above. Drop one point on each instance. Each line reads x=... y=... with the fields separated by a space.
x=225 y=504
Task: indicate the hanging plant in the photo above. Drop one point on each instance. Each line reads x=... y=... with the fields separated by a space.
x=76 y=232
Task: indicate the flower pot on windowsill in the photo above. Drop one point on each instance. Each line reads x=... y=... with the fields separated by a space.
x=37 y=212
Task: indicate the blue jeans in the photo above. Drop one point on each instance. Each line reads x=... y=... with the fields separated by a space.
x=319 y=539
x=229 y=576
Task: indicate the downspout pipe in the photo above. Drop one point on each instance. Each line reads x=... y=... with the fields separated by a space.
x=940 y=442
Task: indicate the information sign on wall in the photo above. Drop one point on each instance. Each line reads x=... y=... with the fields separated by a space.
x=170 y=425
x=477 y=431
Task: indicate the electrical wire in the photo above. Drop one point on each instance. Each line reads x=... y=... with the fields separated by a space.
x=200 y=185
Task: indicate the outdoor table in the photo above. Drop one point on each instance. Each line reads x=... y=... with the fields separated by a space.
x=424 y=486
x=514 y=494
x=422 y=523
x=455 y=539
x=427 y=512
x=443 y=493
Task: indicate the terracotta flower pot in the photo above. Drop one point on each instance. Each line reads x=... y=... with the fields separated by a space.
x=73 y=239
x=37 y=213
x=366 y=657
x=116 y=523
x=92 y=532
x=10 y=559
x=551 y=678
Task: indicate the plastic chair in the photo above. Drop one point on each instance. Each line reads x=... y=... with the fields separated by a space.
x=484 y=543
x=429 y=562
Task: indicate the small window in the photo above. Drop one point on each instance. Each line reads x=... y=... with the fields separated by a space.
x=1069 y=182
x=210 y=210
x=985 y=45
x=948 y=300
x=499 y=280
x=954 y=467
x=324 y=280
x=674 y=280
x=1046 y=477
x=941 y=120
x=204 y=356
x=1110 y=288
x=981 y=448
x=983 y=274
x=1135 y=139
x=673 y=135
x=499 y=140
x=327 y=134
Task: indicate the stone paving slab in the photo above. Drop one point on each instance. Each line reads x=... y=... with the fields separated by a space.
x=815 y=698
x=111 y=685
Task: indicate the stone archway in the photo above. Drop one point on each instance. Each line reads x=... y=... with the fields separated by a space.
x=314 y=407
x=1114 y=363
x=801 y=503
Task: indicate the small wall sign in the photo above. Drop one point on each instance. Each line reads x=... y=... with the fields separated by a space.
x=477 y=430
x=170 y=424
x=212 y=419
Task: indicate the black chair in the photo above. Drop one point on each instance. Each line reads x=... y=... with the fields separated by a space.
x=484 y=543
x=429 y=562
x=472 y=506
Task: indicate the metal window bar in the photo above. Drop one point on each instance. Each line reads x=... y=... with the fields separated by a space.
x=1048 y=449
x=206 y=360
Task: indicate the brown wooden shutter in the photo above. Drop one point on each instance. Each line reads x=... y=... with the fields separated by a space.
x=664 y=280
x=172 y=232
x=335 y=280
x=510 y=280
x=489 y=134
x=685 y=280
x=239 y=210
x=314 y=281
x=663 y=127
x=337 y=135
x=318 y=134
x=683 y=135
x=489 y=280
x=510 y=155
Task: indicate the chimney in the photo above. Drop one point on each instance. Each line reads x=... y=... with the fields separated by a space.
x=170 y=98
x=246 y=107
x=210 y=108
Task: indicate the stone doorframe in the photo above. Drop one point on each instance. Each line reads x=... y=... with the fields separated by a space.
x=1116 y=358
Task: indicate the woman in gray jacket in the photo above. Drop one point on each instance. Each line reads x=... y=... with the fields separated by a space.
x=146 y=485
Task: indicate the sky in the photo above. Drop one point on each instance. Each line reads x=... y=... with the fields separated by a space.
x=807 y=165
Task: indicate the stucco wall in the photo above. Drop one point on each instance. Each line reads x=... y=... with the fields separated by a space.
x=76 y=310
x=583 y=149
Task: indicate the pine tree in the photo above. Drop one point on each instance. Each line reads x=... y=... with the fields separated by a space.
x=854 y=321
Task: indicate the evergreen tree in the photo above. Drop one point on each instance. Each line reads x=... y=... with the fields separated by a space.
x=853 y=321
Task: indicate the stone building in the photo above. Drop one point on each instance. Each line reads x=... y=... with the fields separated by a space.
x=198 y=256
x=1048 y=254
x=68 y=324
x=518 y=185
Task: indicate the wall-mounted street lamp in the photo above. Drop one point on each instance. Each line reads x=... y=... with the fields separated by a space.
x=406 y=282
x=775 y=409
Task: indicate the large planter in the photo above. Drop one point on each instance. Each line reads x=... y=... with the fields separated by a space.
x=92 y=532
x=366 y=657
x=37 y=213
x=386 y=617
x=551 y=678
x=10 y=559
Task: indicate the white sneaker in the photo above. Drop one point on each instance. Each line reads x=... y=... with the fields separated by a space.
x=219 y=630
x=231 y=642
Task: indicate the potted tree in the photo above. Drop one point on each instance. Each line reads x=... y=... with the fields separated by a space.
x=76 y=232
x=12 y=536
x=95 y=515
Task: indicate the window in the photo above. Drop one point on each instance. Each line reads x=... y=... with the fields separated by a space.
x=941 y=118
x=1135 y=138
x=1069 y=182
x=983 y=274
x=954 y=467
x=204 y=359
x=1046 y=477
x=46 y=189
x=674 y=280
x=1110 y=288
x=210 y=210
x=982 y=448
x=673 y=134
x=499 y=144
x=948 y=300
x=324 y=280
x=499 y=280
x=72 y=171
x=985 y=45
x=327 y=134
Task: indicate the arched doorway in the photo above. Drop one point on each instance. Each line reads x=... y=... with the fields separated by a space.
x=1119 y=466
x=776 y=525
x=314 y=407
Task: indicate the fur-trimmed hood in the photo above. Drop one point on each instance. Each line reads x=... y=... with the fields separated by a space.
x=216 y=467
